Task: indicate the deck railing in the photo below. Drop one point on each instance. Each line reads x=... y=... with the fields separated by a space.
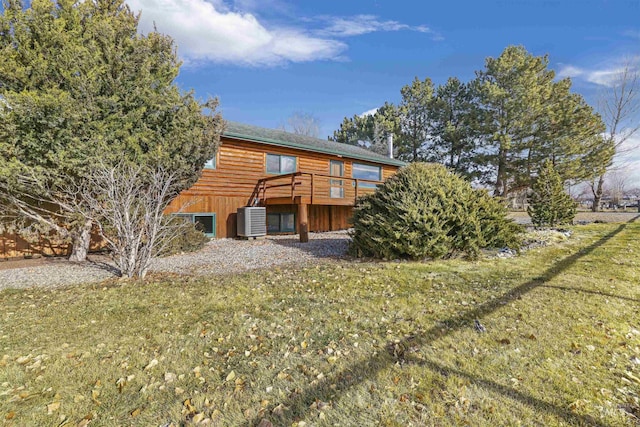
x=312 y=188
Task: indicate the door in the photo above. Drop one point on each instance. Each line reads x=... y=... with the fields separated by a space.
x=336 y=168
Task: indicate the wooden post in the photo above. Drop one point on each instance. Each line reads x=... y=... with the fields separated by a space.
x=303 y=223
x=356 y=191
x=293 y=186
x=312 y=175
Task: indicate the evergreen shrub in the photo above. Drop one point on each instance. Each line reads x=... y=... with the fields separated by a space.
x=549 y=203
x=425 y=211
x=187 y=238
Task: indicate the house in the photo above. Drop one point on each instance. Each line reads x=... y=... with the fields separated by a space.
x=306 y=184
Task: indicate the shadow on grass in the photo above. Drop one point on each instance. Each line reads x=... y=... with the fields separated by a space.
x=587 y=291
x=363 y=369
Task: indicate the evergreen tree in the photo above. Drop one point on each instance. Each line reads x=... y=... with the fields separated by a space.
x=80 y=85
x=453 y=119
x=549 y=204
x=526 y=117
x=370 y=131
x=416 y=144
x=499 y=128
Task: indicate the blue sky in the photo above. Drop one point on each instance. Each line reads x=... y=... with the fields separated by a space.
x=267 y=59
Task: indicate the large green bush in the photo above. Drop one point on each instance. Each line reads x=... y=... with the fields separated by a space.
x=188 y=237
x=549 y=204
x=425 y=211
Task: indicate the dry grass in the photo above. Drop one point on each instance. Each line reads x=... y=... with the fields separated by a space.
x=340 y=344
x=586 y=217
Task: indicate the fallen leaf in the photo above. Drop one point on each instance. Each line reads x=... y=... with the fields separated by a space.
x=505 y=341
x=23 y=360
x=198 y=417
x=94 y=396
x=10 y=415
x=120 y=383
x=135 y=412
x=151 y=364
x=188 y=406
x=52 y=407
x=231 y=376
x=279 y=410
x=632 y=377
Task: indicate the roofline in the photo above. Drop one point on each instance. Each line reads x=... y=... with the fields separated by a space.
x=391 y=162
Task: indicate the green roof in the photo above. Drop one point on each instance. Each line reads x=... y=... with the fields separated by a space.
x=290 y=140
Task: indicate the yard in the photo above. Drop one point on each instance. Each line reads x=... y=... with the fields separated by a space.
x=341 y=343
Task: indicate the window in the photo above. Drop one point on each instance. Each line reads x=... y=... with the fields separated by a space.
x=279 y=164
x=336 y=168
x=212 y=163
x=281 y=223
x=362 y=171
x=205 y=222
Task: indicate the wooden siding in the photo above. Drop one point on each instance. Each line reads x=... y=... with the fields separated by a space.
x=15 y=246
x=241 y=164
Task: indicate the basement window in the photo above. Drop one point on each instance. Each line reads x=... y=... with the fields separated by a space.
x=280 y=164
x=205 y=222
x=281 y=223
x=212 y=163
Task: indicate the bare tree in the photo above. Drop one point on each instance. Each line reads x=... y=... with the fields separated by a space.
x=615 y=186
x=619 y=107
x=126 y=203
x=304 y=124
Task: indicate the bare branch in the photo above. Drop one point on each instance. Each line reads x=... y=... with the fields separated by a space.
x=127 y=203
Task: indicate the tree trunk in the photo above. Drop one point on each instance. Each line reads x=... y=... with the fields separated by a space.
x=501 y=179
x=81 y=238
x=597 y=194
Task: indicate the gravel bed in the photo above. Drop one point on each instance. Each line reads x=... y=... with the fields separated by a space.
x=226 y=256
x=55 y=273
x=220 y=256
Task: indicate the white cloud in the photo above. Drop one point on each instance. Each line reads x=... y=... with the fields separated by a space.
x=364 y=24
x=604 y=74
x=368 y=112
x=224 y=31
x=600 y=77
x=210 y=31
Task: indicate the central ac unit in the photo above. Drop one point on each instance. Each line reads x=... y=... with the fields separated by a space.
x=252 y=221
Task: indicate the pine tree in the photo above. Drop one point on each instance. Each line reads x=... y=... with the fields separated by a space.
x=549 y=204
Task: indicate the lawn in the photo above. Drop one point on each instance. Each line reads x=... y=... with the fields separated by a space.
x=348 y=344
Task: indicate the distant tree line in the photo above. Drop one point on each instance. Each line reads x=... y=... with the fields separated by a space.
x=497 y=129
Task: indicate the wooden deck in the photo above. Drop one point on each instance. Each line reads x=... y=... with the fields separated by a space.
x=305 y=189
x=310 y=189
